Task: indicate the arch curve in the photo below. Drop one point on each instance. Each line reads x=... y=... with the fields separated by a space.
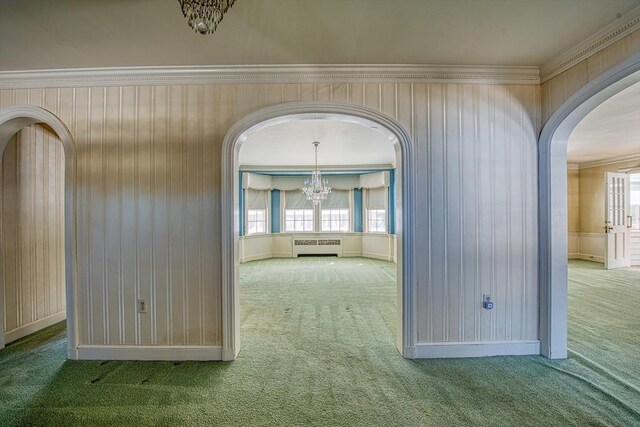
x=230 y=186
x=12 y=119
x=552 y=199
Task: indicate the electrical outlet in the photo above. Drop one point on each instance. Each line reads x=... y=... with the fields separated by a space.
x=486 y=302
x=142 y=306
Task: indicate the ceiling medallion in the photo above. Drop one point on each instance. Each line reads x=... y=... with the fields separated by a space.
x=316 y=188
x=204 y=15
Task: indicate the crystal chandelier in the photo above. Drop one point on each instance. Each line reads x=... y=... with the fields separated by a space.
x=204 y=15
x=316 y=188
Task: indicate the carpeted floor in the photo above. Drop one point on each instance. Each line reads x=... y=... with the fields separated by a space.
x=318 y=349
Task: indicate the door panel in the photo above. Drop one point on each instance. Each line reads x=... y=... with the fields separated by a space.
x=617 y=209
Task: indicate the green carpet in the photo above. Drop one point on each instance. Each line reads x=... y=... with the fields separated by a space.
x=318 y=349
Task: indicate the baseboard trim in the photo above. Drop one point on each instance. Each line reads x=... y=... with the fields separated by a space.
x=382 y=257
x=256 y=257
x=134 y=352
x=32 y=327
x=351 y=254
x=444 y=350
x=589 y=257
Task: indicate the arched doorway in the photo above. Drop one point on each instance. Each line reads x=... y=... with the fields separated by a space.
x=406 y=336
x=552 y=197
x=12 y=119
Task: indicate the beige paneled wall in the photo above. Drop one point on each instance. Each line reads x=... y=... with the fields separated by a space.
x=558 y=89
x=32 y=227
x=573 y=198
x=592 y=195
x=149 y=214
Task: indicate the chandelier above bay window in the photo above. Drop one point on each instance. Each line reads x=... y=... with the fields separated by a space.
x=204 y=15
x=316 y=188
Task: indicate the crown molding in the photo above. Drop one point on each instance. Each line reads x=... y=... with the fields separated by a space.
x=610 y=161
x=573 y=166
x=606 y=36
x=251 y=74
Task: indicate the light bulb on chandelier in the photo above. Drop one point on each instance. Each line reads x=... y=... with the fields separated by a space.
x=316 y=188
x=204 y=15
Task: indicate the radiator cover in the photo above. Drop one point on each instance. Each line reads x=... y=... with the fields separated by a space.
x=320 y=246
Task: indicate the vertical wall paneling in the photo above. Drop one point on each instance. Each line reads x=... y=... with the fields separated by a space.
x=148 y=200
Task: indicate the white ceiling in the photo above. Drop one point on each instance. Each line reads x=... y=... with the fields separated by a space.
x=611 y=130
x=342 y=144
x=52 y=34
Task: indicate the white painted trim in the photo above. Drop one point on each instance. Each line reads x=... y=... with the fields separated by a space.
x=440 y=350
x=599 y=235
x=294 y=168
x=229 y=251
x=573 y=166
x=587 y=257
x=248 y=74
x=256 y=257
x=133 y=352
x=582 y=50
x=610 y=161
x=373 y=255
x=351 y=254
x=13 y=119
x=552 y=199
x=24 y=330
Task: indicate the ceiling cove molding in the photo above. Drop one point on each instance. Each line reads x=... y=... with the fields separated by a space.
x=572 y=55
x=227 y=74
x=610 y=161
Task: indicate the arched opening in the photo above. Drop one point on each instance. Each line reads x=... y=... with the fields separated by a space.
x=231 y=213
x=12 y=119
x=553 y=224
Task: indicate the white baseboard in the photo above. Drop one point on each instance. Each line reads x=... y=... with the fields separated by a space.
x=383 y=257
x=588 y=257
x=255 y=257
x=134 y=352
x=32 y=327
x=443 y=350
x=229 y=355
x=351 y=254
x=282 y=255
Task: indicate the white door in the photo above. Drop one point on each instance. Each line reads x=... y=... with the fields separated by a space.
x=617 y=222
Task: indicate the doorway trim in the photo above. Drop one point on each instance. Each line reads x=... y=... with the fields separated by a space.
x=552 y=199
x=12 y=119
x=233 y=139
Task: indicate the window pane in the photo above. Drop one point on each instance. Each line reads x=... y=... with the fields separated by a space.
x=308 y=226
x=260 y=227
x=288 y=214
x=299 y=214
x=289 y=226
x=326 y=214
x=260 y=215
